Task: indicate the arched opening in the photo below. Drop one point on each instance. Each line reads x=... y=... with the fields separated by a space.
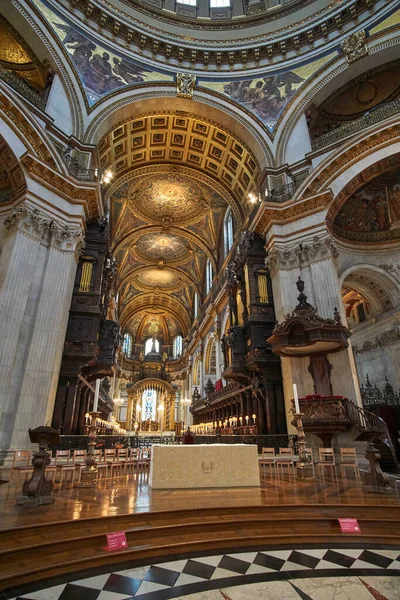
x=150 y=344
x=127 y=345
x=228 y=231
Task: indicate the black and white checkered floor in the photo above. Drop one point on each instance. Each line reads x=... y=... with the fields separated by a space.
x=198 y=575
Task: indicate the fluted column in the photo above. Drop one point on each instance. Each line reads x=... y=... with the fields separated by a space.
x=35 y=303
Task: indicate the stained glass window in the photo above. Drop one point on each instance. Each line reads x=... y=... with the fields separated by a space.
x=228 y=231
x=127 y=345
x=177 y=346
x=149 y=399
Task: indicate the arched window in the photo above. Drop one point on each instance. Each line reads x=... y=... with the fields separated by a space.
x=127 y=345
x=228 y=231
x=196 y=305
x=219 y=3
x=209 y=276
x=177 y=346
x=149 y=344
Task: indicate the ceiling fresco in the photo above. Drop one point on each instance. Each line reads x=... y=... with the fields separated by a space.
x=372 y=214
x=168 y=198
x=162 y=247
x=267 y=96
x=100 y=70
x=158 y=278
x=175 y=176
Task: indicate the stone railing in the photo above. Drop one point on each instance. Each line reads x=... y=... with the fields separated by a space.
x=23 y=89
x=385 y=111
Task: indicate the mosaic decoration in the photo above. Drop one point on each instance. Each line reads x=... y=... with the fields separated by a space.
x=162 y=246
x=267 y=96
x=100 y=70
x=373 y=212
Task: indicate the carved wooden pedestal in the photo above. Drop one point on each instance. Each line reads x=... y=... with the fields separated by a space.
x=39 y=490
x=375 y=476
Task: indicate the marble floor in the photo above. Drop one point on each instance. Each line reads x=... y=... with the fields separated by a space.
x=346 y=573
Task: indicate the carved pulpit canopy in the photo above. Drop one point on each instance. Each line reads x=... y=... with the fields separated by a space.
x=305 y=333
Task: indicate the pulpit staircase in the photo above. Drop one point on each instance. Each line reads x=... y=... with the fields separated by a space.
x=373 y=429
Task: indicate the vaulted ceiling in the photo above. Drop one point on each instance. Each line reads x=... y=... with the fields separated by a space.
x=174 y=178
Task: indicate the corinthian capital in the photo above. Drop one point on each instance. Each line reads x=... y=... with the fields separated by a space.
x=66 y=238
x=28 y=220
x=301 y=255
x=37 y=225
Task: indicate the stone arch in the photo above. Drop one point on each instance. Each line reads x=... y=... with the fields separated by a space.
x=42 y=38
x=24 y=134
x=359 y=154
x=331 y=77
x=378 y=284
x=153 y=99
x=211 y=345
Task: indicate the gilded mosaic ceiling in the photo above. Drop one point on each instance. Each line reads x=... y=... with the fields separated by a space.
x=174 y=179
x=162 y=247
x=16 y=57
x=157 y=278
x=168 y=197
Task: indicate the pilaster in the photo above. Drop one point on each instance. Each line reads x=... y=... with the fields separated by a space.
x=39 y=268
x=315 y=262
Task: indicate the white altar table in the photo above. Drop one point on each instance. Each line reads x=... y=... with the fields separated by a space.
x=204 y=466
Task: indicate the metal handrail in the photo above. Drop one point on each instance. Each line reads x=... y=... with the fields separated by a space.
x=384 y=111
x=23 y=88
x=76 y=169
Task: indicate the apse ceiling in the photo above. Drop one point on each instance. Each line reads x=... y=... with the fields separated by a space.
x=174 y=178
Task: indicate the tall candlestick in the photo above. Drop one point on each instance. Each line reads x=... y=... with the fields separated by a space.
x=96 y=395
x=296 y=400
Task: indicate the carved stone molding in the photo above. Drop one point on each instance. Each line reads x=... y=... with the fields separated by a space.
x=35 y=224
x=385 y=339
x=355 y=46
x=291 y=212
x=185 y=85
x=301 y=255
x=393 y=269
x=74 y=193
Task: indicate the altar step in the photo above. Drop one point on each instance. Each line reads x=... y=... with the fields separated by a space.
x=40 y=551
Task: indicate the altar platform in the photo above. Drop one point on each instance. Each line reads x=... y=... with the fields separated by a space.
x=69 y=535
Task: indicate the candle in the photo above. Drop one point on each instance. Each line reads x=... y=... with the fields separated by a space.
x=96 y=396
x=247 y=419
x=296 y=400
x=254 y=419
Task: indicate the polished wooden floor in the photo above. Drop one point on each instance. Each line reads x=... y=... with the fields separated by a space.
x=132 y=494
x=70 y=534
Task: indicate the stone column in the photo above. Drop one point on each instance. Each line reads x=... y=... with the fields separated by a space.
x=39 y=272
x=314 y=261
